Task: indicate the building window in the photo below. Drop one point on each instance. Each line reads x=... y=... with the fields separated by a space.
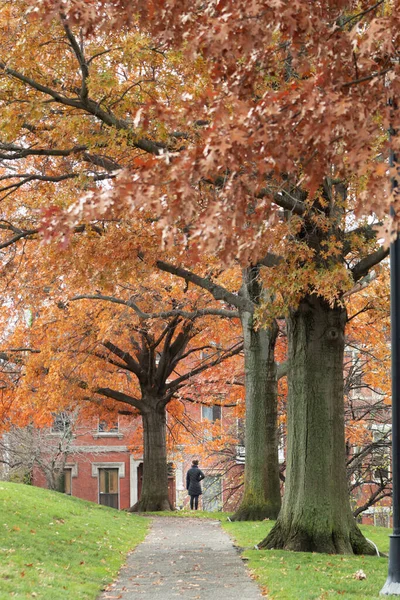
x=212 y=493
x=211 y=413
x=105 y=427
x=241 y=440
x=241 y=431
x=381 y=435
x=61 y=423
x=108 y=429
x=382 y=516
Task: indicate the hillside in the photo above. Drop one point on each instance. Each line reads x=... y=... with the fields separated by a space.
x=56 y=546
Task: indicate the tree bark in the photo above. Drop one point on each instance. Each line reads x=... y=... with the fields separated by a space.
x=261 y=497
x=54 y=480
x=154 y=496
x=316 y=514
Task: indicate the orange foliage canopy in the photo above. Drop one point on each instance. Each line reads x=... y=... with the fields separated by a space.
x=105 y=331
x=294 y=93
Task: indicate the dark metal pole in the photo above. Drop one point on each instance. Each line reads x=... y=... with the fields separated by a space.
x=392 y=585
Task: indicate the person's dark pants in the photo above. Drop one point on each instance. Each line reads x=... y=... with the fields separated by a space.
x=194 y=502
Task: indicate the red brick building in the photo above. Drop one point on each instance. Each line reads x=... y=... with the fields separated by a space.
x=103 y=467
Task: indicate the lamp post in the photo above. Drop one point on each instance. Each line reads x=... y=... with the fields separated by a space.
x=392 y=585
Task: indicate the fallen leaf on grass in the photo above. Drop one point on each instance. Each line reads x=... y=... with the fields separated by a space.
x=360 y=575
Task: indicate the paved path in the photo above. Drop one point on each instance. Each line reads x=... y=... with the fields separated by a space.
x=190 y=558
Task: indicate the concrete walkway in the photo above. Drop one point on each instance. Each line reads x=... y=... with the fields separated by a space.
x=190 y=558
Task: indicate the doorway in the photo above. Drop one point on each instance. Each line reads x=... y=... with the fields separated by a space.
x=108 y=487
x=212 y=493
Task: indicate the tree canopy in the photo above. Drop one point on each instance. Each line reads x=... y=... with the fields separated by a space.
x=294 y=93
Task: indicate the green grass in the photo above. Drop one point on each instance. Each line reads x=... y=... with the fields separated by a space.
x=311 y=576
x=55 y=547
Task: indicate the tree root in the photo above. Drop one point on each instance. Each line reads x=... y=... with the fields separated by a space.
x=298 y=540
x=251 y=512
x=151 y=505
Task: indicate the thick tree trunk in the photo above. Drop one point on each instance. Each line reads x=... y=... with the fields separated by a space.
x=261 y=498
x=154 y=496
x=316 y=514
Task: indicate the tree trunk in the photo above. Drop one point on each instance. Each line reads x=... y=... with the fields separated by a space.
x=154 y=496
x=54 y=479
x=316 y=514
x=261 y=498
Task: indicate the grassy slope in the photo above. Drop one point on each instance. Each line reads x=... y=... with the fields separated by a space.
x=53 y=546
x=305 y=576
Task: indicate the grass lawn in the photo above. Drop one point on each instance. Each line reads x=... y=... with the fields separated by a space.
x=304 y=576
x=54 y=546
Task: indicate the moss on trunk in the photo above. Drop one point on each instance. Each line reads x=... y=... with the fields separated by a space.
x=316 y=514
x=261 y=497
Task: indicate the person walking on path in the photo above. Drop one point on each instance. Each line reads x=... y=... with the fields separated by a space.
x=193 y=478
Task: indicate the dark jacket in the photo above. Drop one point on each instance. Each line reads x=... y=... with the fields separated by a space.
x=193 y=478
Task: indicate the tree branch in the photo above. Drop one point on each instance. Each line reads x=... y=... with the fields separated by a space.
x=360 y=14
x=284 y=199
x=367 y=77
x=130 y=362
x=193 y=401
x=361 y=268
x=173 y=385
x=270 y=260
x=120 y=397
x=201 y=312
x=17 y=237
x=44 y=89
x=80 y=56
x=86 y=105
x=219 y=292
